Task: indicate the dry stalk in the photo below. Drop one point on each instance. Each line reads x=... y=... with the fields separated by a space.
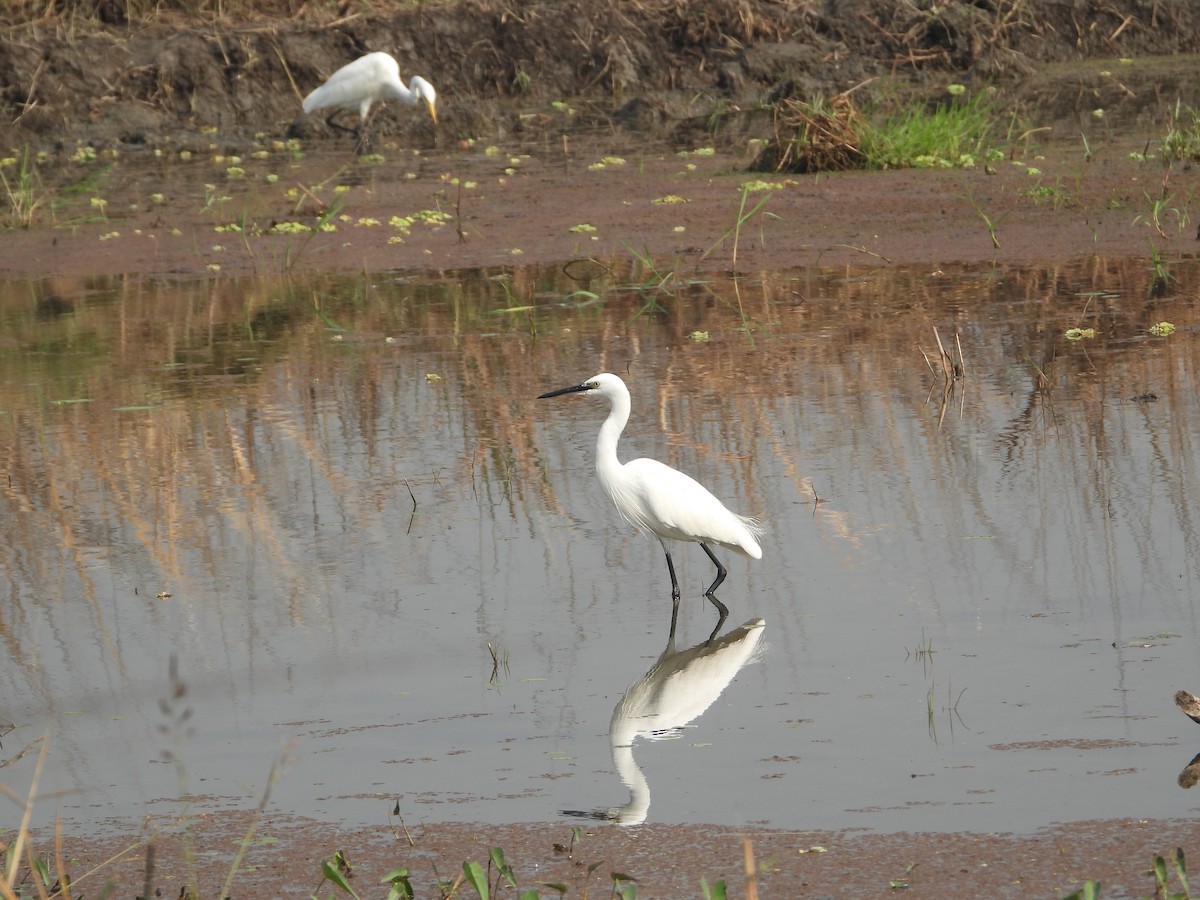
x=751 y=872
x=951 y=370
x=396 y=812
x=14 y=860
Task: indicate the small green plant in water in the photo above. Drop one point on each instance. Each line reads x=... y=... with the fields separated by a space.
x=336 y=870
x=1160 y=877
x=22 y=190
x=1182 y=140
x=1052 y=194
x=1089 y=891
x=743 y=216
x=400 y=886
x=1160 y=274
x=987 y=221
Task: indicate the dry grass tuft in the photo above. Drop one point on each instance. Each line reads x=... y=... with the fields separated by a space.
x=815 y=136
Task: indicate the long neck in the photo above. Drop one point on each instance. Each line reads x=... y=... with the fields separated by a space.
x=610 y=433
x=400 y=92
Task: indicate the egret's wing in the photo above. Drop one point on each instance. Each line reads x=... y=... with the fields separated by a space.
x=676 y=506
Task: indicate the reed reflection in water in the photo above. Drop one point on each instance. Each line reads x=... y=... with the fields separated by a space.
x=222 y=471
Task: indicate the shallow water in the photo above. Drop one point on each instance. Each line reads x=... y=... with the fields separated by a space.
x=979 y=626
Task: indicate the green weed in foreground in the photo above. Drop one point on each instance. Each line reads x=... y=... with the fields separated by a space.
x=1160 y=877
x=498 y=879
x=1162 y=889
x=26 y=874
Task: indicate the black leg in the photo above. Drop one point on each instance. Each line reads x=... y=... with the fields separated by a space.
x=722 y=611
x=721 y=573
x=674 y=591
x=362 y=140
x=338 y=126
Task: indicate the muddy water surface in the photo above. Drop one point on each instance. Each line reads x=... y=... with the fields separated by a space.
x=326 y=498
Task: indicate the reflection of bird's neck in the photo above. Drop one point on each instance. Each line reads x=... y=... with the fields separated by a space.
x=633 y=812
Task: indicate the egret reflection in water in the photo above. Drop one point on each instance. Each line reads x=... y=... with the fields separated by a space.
x=676 y=691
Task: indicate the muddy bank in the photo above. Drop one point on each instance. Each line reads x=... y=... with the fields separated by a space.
x=675 y=211
x=68 y=77
x=285 y=857
x=143 y=123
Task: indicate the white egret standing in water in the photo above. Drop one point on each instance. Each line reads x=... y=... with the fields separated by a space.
x=662 y=500
x=369 y=79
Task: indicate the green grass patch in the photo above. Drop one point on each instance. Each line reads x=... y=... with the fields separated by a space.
x=1182 y=140
x=941 y=135
x=956 y=131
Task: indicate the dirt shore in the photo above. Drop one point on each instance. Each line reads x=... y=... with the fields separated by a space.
x=545 y=207
x=284 y=858
x=141 y=126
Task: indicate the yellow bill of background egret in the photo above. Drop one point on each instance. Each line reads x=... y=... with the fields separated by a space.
x=654 y=497
x=369 y=79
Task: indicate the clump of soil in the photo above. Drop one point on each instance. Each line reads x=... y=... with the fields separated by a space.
x=107 y=71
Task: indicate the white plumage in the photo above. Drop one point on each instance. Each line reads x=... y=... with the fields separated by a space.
x=664 y=501
x=369 y=79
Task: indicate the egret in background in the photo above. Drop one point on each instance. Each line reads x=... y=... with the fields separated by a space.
x=369 y=79
x=662 y=500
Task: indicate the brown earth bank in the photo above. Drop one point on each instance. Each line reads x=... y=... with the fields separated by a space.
x=648 y=80
x=645 y=79
x=550 y=205
x=105 y=71
x=284 y=858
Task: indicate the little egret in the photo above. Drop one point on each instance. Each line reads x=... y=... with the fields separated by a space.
x=369 y=79
x=662 y=500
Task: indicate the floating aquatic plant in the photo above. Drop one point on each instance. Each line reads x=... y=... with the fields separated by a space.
x=751 y=187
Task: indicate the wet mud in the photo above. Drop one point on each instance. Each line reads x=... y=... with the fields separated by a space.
x=673 y=208
x=284 y=855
